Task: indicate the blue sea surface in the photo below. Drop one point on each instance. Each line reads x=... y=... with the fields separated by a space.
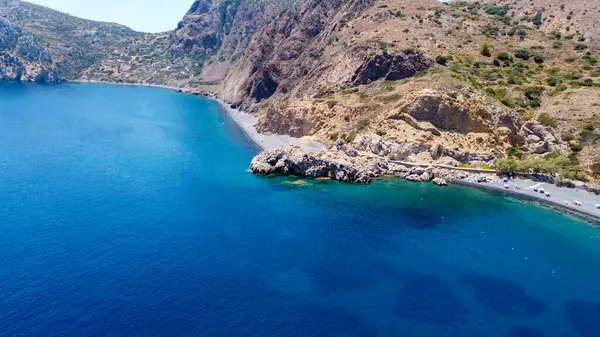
x=130 y=211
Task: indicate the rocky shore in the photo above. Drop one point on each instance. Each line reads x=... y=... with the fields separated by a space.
x=337 y=165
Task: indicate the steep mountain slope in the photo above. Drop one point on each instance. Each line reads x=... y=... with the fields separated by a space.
x=73 y=43
x=22 y=57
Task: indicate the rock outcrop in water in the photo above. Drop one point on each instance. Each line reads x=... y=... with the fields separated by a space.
x=346 y=166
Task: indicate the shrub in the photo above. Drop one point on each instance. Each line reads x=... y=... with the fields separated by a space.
x=504 y=56
x=576 y=147
x=533 y=94
x=537 y=19
x=547 y=120
x=331 y=104
x=538 y=59
x=588 y=82
x=588 y=136
x=441 y=59
x=589 y=127
x=560 y=88
x=596 y=168
x=498 y=11
x=513 y=152
x=567 y=137
x=580 y=47
x=552 y=81
x=522 y=54
x=486 y=50
x=362 y=124
x=591 y=60
x=506 y=165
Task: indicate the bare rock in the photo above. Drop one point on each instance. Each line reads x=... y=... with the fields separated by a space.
x=440 y=182
x=391 y=67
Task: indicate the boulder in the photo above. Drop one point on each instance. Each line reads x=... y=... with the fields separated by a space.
x=440 y=182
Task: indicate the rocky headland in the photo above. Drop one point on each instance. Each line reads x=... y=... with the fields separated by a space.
x=346 y=164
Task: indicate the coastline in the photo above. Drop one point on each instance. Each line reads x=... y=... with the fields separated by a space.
x=555 y=202
x=245 y=121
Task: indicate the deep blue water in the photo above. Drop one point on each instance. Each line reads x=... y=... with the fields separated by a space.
x=130 y=211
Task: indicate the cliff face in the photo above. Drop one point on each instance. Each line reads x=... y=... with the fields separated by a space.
x=62 y=45
x=22 y=57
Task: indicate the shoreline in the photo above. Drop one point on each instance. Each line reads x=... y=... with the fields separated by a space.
x=591 y=216
x=246 y=122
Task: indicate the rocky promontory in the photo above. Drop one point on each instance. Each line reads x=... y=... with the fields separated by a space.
x=337 y=165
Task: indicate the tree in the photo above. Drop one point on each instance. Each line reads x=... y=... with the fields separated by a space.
x=506 y=165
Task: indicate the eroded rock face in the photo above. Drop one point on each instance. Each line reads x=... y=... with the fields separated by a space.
x=540 y=139
x=22 y=58
x=395 y=150
x=391 y=67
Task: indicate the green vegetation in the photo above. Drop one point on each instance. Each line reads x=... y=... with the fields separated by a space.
x=504 y=56
x=537 y=19
x=595 y=169
x=538 y=59
x=486 y=50
x=362 y=124
x=533 y=94
x=522 y=54
x=442 y=59
x=550 y=163
x=547 y=120
x=513 y=152
x=567 y=137
x=498 y=11
x=500 y=94
x=576 y=147
x=552 y=81
x=591 y=60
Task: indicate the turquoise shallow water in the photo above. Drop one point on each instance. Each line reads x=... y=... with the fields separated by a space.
x=130 y=211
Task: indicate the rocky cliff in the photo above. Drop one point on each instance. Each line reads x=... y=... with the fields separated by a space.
x=22 y=57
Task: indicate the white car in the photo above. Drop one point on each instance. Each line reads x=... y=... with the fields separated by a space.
x=598 y=206
x=577 y=203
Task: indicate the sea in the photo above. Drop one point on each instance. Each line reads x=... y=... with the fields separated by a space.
x=130 y=211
